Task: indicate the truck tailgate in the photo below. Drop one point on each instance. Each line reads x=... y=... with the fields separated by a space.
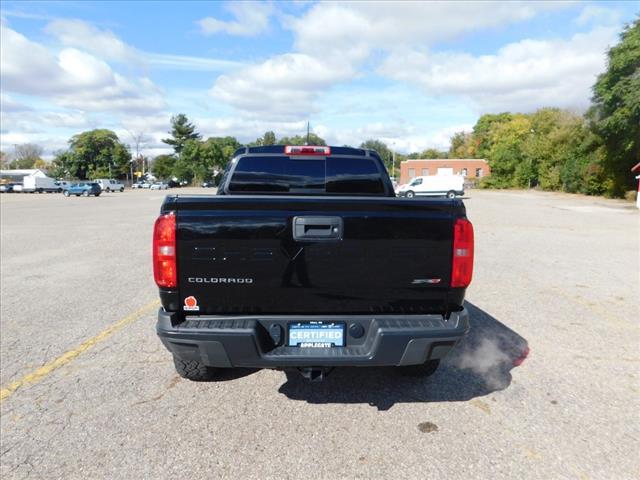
x=238 y=254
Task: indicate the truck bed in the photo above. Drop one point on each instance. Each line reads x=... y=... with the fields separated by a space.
x=237 y=255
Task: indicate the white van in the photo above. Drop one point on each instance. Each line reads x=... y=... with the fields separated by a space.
x=433 y=186
x=110 y=185
x=32 y=183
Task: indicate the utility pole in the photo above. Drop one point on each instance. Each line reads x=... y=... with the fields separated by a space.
x=308 y=132
x=533 y=134
x=393 y=161
x=138 y=139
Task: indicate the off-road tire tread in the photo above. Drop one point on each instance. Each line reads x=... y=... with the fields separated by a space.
x=193 y=370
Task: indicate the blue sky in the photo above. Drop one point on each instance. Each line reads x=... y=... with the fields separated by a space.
x=409 y=73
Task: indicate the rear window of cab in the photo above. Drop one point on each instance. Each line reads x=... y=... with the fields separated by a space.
x=283 y=174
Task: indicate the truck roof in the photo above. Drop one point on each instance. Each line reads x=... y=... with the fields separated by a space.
x=279 y=149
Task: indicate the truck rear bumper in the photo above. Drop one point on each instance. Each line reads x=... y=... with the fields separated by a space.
x=248 y=341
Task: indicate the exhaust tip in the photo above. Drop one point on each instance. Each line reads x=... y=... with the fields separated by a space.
x=523 y=356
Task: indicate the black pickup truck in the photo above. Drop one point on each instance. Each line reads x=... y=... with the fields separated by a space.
x=306 y=259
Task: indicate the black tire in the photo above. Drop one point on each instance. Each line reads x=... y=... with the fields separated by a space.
x=121 y=189
x=410 y=194
x=451 y=194
x=39 y=190
x=66 y=193
x=97 y=194
x=85 y=193
x=423 y=370
x=59 y=190
x=194 y=370
x=77 y=194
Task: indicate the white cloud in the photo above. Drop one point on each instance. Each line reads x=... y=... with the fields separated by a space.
x=105 y=44
x=599 y=15
x=251 y=19
x=77 y=33
x=72 y=78
x=10 y=104
x=185 y=62
x=334 y=39
x=283 y=87
x=355 y=29
x=403 y=138
x=521 y=76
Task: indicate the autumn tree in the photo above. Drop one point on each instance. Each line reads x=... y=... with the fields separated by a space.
x=615 y=115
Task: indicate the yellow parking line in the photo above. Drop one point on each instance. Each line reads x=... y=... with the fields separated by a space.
x=39 y=374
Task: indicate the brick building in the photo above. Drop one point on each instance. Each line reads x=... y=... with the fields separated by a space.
x=471 y=168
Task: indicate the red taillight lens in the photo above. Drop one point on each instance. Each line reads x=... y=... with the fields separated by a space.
x=164 y=251
x=462 y=268
x=306 y=150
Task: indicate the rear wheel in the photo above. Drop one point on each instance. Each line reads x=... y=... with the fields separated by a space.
x=66 y=193
x=425 y=369
x=97 y=194
x=194 y=370
x=107 y=189
x=121 y=189
x=85 y=193
x=410 y=194
x=451 y=194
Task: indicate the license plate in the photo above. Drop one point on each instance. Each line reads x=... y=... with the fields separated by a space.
x=316 y=335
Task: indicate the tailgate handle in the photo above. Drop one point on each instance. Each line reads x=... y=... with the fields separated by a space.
x=317 y=228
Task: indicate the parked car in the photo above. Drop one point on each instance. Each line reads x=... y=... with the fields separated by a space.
x=173 y=184
x=17 y=188
x=62 y=185
x=137 y=185
x=110 y=185
x=306 y=259
x=208 y=185
x=8 y=187
x=433 y=186
x=145 y=185
x=159 y=186
x=83 y=188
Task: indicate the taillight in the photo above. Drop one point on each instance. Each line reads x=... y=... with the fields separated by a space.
x=306 y=150
x=164 y=251
x=462 y=268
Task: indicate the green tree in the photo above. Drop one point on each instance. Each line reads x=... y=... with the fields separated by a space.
x=506 y=158
x=199 y=160
x=228 y=145
x=615 y=115
x=483 y=131
x=302 y=140
x=432 y=153
x=181 y=131
x=462 y=146
x=59 y=167
x=96 y=153
x=162 y=166
x=383 y=150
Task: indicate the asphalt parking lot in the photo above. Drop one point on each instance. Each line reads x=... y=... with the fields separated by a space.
x=558 y=272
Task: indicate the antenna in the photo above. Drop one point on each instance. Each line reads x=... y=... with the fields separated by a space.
x=307 y=133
